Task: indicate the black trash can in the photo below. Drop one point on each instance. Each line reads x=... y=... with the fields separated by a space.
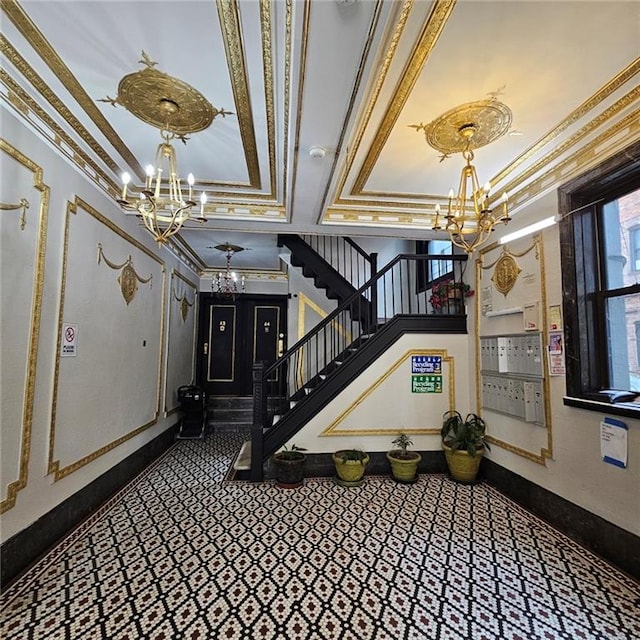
x=192 y=402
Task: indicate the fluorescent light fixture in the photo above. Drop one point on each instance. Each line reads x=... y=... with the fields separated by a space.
x=528 y=230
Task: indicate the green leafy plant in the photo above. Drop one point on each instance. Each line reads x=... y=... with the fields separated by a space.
x=466 y=434
x=356 y=455
x=403 y=442
x=293 y=452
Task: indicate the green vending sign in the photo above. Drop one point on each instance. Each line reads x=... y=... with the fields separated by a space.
x=426 y=384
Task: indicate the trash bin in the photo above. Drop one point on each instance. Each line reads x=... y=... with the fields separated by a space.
x=192 y=402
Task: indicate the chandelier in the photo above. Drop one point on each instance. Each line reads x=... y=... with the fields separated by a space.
x=469 y=219
x=177 y=109
x=227 y=284
x=161 y=203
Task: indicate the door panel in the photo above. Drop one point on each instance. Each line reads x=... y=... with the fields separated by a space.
x=233 y=335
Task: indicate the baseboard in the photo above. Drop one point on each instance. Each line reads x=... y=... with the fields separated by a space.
x=610 y=542
x=20 y=551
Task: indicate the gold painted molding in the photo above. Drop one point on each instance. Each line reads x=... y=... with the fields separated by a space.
x=34 y=331
x=232 y=38
x=59 y=472
x=334 y=430
x=429 y=36
x=23 y=205
x=537 y=245
x=50 y=57
x=128 y=278
x=176 y=275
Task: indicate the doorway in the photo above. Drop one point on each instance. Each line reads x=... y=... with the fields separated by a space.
x=233 y=335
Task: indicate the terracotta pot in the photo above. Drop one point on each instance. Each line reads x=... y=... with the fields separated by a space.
x=290 y=472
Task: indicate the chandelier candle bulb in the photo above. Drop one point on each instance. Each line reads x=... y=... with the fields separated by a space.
x=158 y=176
x=203 y=201
x=126 y=178
x=150 y=172
x=191 y=180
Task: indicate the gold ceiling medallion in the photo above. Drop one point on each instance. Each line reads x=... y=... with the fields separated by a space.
x=128 y=278
x=184 y=305
x=23 y=205
x=506 y=273
x=469 y=220
x=177 y=109
x=161 y=100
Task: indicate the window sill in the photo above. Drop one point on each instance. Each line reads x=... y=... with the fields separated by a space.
x=627 y=409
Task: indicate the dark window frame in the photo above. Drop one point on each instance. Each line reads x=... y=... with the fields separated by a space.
x=584 y=297
x=423 y=280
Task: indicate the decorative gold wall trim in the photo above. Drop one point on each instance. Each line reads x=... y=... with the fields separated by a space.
x=537 y=245
x=302 y=75
x=34 y=331
x=182 y=300
x=231 y=36
x=26 y=104
x=613 y=85
x=333 y=430
x=506 y=272
x=128 y=278
x=428 y=38
x=51 y=58
x=304 y=302
x=265 y=24
x=382 y=74
x=54 y=465
x=22 y=206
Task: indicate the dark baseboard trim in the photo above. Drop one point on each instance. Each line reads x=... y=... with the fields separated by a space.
x=615 y=545
x=25 y=548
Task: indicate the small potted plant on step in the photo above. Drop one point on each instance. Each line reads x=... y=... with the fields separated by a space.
x=404 y=463
x=350 y=467
x=290 y=467
x=464 y=444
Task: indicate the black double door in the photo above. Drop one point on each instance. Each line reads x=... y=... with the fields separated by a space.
x=233 y=335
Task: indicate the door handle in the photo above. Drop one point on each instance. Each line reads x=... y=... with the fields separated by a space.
x=280 y=344
x=206 y=348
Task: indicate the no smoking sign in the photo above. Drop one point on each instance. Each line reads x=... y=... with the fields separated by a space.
x=69 y=339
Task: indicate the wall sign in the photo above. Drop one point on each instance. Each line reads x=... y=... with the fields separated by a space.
x=426 y=384
x=69 y=340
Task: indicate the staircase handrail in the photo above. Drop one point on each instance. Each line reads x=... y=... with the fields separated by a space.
x=354 y=298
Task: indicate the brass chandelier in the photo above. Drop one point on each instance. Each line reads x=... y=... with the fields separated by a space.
x=177 y=109
x=469 y=219
x=227 y=284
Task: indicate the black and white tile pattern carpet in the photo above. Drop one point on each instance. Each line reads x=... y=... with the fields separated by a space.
x=183 y=554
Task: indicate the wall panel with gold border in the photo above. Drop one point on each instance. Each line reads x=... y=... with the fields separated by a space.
x=396 y=407
x=23 y=233
x=181 y=338
x=511 y=293
x=113 y=291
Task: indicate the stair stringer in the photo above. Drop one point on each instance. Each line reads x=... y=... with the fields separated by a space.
x=308 y=407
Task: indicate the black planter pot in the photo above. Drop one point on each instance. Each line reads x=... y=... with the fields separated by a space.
x=290 y=471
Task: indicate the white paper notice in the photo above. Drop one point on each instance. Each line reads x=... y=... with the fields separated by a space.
x=613 y=442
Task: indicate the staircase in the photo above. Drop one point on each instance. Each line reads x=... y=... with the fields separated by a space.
x=229 y=413
x=335 y=264
x=291 y=391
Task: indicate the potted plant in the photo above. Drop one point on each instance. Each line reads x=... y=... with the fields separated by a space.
x=350 y=466
x=448 y=296
x=404 y=463
x=289 y=464
x=463 y=443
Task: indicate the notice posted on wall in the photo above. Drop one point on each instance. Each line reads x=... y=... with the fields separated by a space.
x=69 y=340
x=613 y=442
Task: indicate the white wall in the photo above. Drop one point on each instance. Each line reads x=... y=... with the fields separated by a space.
x=64 y=421
x=576 y=471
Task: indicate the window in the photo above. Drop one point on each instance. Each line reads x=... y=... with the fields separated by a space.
x=434 y=270
x=600 y=257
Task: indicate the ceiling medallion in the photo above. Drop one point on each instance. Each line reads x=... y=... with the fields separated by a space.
x=163 y=101
x=469 y=219
x=490 y=119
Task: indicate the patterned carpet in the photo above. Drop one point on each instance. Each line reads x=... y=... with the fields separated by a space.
x=183 y=554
